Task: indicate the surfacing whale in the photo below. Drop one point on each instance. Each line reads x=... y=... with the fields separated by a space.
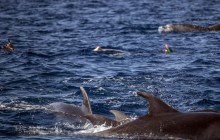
x=84 y=113
x=120 y=118
x=73 y=110
x=188 y=28
x=165 y=122
x=100 y=49
x=9 y=47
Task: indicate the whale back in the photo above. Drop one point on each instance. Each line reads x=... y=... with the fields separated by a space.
x=65 y=108
x=188 y=28
x=215 y=27
x=164 y=122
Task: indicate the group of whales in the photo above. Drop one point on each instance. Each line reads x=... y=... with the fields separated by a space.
x=162 y=121
x=84 y=112
x=9 y=47
x=178 y=28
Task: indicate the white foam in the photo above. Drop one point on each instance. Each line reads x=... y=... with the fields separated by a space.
x=160 y=29
x=94 y=129
x=58 y=129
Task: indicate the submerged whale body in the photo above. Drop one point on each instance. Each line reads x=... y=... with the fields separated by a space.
x=165 y=122
x=188 y=28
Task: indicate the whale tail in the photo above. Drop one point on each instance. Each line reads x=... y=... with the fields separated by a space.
x=86 y=106
x=215 y=27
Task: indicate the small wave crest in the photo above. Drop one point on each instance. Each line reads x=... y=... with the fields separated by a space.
x=57 y=129
x=16 y=105
x=94 y=129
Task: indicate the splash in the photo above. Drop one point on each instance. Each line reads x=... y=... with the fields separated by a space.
x=95 y=129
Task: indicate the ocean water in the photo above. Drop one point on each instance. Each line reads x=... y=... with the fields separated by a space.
x=54 y=42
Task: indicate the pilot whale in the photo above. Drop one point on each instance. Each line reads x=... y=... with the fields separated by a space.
x=73 y=110
x=165 y=122
x=84 y=112
x=188 y=28
x=9 y=47
x=100 y=49
x=120 y=118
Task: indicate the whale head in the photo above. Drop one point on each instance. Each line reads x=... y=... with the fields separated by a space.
x=165 y=28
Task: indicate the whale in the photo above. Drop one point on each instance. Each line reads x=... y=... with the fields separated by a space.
x=188 y=28
x=165 y=122
x=120 y=118
x=83 y=113
x=9 y=47
x=101 y=49
x=77 y=112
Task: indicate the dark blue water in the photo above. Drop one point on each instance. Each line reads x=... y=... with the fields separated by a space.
x=53 y=57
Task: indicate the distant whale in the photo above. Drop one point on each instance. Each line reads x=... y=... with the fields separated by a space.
x=188 y=28
x=165 y=122
x=73 y=110
x=100 y=49
x=9 y=47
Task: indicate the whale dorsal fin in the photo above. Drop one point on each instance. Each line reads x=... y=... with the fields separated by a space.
x=119 y=116
x=86 y=107
x=157 y=106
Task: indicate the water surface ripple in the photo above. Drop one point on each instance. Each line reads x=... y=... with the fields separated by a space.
x=53 y=57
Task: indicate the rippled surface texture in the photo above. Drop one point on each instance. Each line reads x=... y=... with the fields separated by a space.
x=53 y=57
